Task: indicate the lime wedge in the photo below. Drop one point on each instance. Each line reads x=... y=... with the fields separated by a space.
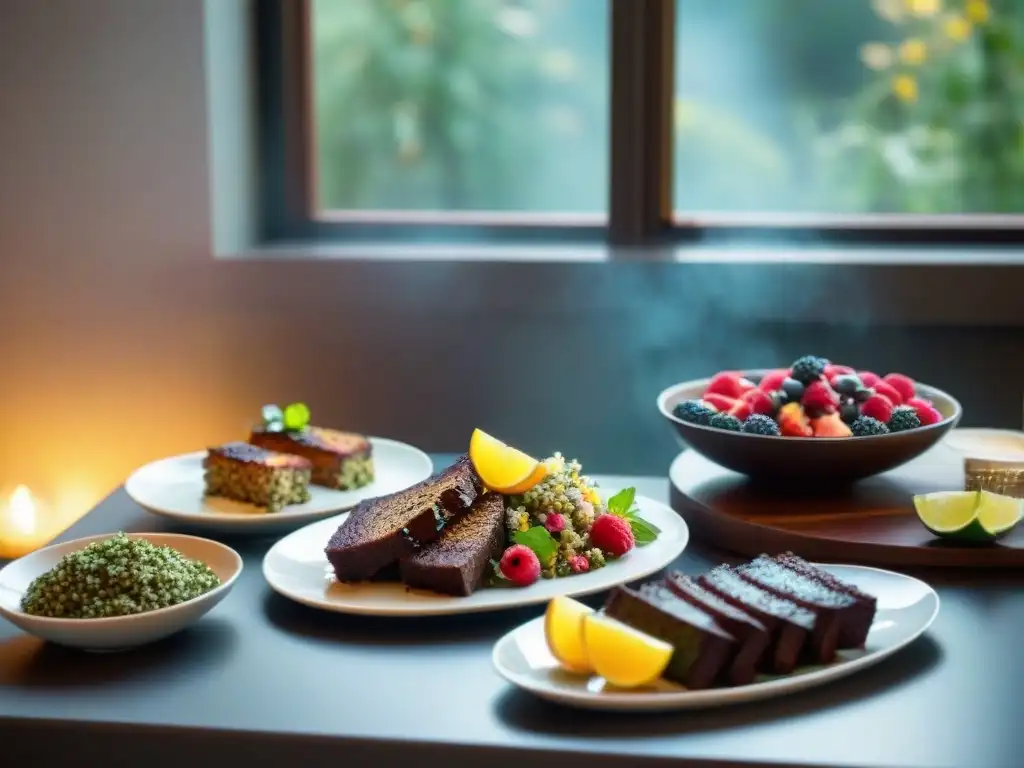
x=969 y=515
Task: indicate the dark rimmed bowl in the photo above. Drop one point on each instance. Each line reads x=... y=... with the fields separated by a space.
x=808 y=460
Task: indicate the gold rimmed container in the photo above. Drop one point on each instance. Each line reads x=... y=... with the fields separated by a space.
x=1003 y=476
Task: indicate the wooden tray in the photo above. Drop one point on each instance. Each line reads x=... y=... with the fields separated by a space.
x=870 y=523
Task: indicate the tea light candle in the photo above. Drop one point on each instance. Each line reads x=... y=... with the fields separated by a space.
x=21 y=529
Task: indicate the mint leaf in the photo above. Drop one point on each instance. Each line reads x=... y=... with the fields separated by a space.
x=643 y=531
x=622 y=502
x=540 y=541
x=296 y=417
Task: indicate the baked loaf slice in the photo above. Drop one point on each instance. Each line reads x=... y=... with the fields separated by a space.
x=381 y=531
x=341 y=460
x=456 y=562
x=244 y=472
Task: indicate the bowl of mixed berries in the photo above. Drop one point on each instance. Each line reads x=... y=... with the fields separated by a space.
x=815 y=421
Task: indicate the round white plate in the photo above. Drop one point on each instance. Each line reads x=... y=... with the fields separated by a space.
x=906 y=608
x=297 y=568
x=174 y=488
x=983 y=443
x=119 y=632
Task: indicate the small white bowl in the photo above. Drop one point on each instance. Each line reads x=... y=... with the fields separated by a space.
x=118 y=632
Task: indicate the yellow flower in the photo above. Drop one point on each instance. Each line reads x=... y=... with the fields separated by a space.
x=978 y=11
x=913 y=51
x=905 y=87
x=957 y=28
x=924 y=8
x=876 y=56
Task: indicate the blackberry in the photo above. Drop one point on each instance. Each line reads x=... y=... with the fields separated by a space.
x=808 y=368
x=757 y=424
x=726 y=421
x=903 y=418
x=865 y=426
x=694 y=412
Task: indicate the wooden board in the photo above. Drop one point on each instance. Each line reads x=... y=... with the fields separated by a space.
x=870 y=523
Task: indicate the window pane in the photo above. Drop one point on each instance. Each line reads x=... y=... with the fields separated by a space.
x=461 y=105
x=850 y=106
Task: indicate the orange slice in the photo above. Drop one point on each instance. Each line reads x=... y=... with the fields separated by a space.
x=625 y=657
x=501 y=467
x=563 y=630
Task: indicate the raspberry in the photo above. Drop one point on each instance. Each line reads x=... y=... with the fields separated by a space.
x=759 y=402
x=820 y=398
x=579 y=564
x=837 y=370
x=868 y=379
x=926 y=412
x=884 y=388
x=555 y=523
x=741 y=410
x=520 y=565
x=772 y=380
x=902 y=384
x=718 y=402
x=612 y=535
x=877 y=407
x=728 y=383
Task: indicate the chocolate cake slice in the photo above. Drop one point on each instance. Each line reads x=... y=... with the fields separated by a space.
x=246 y=473
x=379 y=532
x=341 y=460
x=456 y=562
x=702 y=649
x=831 y=609
x=858 y=618
x=789 y=625
x=751 y=635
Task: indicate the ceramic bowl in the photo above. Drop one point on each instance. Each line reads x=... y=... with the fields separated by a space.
x=808 y=460
x=119 y=632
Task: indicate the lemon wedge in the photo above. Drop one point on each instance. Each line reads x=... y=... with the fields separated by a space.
x=501 y=467
x=625 y=657
x=563 y=630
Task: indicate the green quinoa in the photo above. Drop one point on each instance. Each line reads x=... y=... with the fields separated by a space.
x=118 y=576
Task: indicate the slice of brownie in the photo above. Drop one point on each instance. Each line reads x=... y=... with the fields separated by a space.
x=830 y=608
x=341 y=460
x=751 y=635
x=456 y=562
x=381 y=531
x=789 y=625
x=701 y=649
x=246 y=473
x=858 y=619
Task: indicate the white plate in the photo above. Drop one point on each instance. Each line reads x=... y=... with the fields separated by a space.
x=906 y=608
x=119 y=632
x=983 y=443
x=174 y=488
x=297 y=568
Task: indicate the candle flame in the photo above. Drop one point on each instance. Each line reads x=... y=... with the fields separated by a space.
x=22 y=510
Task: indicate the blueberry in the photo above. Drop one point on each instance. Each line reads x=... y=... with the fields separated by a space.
x=779 y=399
x=847 y=384
x=863 y=394
x=794 y=390
x=849 y=411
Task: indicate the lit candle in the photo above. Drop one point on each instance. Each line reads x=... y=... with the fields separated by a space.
x=21 y=531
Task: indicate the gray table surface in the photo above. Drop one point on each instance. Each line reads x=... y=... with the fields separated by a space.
x=264 y=680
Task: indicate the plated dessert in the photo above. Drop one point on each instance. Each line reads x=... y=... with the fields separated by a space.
x=725 y=627
x=496 y=517
x=811 y=398
x=283 y=456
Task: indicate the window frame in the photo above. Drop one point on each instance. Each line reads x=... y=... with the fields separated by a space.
x=640 y=213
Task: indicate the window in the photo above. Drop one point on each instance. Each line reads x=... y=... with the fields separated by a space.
x=849 y=107
x=460 y=105
x=643 y=121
